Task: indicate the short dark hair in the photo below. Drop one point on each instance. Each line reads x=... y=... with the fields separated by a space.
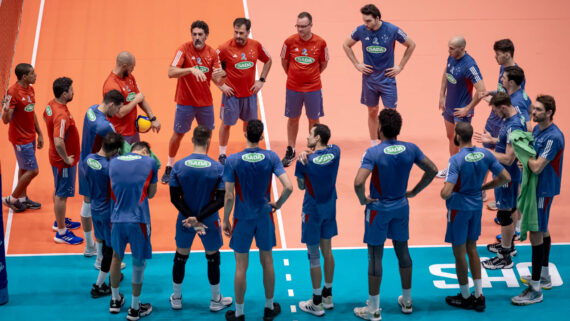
x=114 y=96
x=22 y=69
x=371 y=10
x=305 y=14
x=141 y=146
x=390 y=122
x=505 y=45
x=500 y=99
x=61 y=85
x=548 y=102
x=323 y=132
x=242 y=21
x=515 y=73
x=201 y=135
x=254 y=130
x=464 y=130
x=202 y=25
x=112 y=142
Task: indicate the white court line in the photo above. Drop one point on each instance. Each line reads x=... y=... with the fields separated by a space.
x=268 y=146
x=33 y=63
x=290 y=291
x=293 y=308
x=286 y=262
x=288 y=277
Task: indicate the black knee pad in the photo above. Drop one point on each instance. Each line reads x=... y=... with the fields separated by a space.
x=213 y=258
x=504 y=217
x=179 y=267
x=179 y=258
x=213 y=268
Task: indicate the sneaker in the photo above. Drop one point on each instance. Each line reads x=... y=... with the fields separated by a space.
x=221 y=304
x=31 y=205
x=289 y=157
x=69 y=224
x=528 y=296
x=175 y=303
x=231 y=316
x=97 y=264
x=498 y=262
x=484 y=196
x=67 y=238
x=14 y=204
x=406 y=306
x=492 y=206
x=545 y=282
x=459 y=301
x=442 y=173
x=115 y=306
x=100 y=291
x=270 y=314
x=516 y=237
x=90 y=250
x=143 y=310
x=496 y=220
x=495 y=247
x=328 y=302
x=364 y=313
x=166 y=176
x=222 y=159
x=312 y=308
x=479 y=303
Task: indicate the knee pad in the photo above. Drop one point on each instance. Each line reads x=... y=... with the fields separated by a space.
x=213 y=268
x=314 y=256
x=375 y=260
x=138 y=271
x=86 y=210
x=179 y=258
x=504 y=217
x=179 y=267
x=213 y=259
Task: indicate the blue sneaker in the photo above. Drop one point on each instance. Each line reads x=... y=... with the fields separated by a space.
x=67 y=238
x=69 y=224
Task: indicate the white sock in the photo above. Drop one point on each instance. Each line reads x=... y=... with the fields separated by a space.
x=115 y=294
x=478 y=287
x=544 y=272
x=89 y=238
x=535 y=285
x=407 y=294
x=464 y=289
x=373 y=142
x=518 y=227
x=22 y=199
x=99 y=250
x=85 y=209
x=62 y=231
x=177 y=287
x=170 y=161
x=223 y=150
x=239 y=309
x=328 y=285
x=317 y=291
x=101 y=277
x=373 y=302
x=215 y=288
x=136 y=303
x=269 y=303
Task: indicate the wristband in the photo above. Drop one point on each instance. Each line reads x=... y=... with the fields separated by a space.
x=262 y=79
x=153 y=118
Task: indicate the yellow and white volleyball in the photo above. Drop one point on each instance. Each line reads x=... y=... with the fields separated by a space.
x=142 y=124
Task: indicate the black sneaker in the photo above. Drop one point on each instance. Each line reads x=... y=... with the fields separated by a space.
x=222 y=159
x=289 y=157
x=459 y=301
x=100 y=291
x=231 y=316
x=501 y=261
x=14 y=204
x=270 y=314
x=479 y=303
x=495 y=247
x=166 y=176
x=143 y=310
x=31 y=205
x=115 y=306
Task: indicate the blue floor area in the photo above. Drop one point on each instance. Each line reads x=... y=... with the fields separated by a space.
x=57 y=287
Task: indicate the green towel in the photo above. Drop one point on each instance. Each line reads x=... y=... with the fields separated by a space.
x=127 y=149
x=526 y=201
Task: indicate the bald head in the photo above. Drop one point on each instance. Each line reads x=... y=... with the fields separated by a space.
x=125 y=58
x=458 y=41
x=457 y=47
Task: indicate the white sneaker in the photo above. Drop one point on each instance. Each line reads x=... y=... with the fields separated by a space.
x=545 y=282
x=310 y=307
x=97 y=264
x=442 y=173
x=328 y=302
x=175 y=303
x=406 y=306
x=221 y=304
x=364 y=313
x=90 y=250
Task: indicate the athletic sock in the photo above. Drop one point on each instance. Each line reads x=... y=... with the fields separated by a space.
x=518 y=227
x=170 y=161
x=22 y=199
x=177 y=287
x=89 y=238
x=62 y=231
x=544 y=272
x=478 y=287
x=328 y=285
x=101 y=278
x=269 y=303
x=546 y=244
x=223 y=149
x=535 y=285
x=136 y=303
x=407 y=294
x=537 y=259
x=99 y=246
x=215 y=289
x=464 y=289
x=373 y=303
x=326 y=292
x=85 y=209
x=318 y=291
x=115 y=294
x=239 y=309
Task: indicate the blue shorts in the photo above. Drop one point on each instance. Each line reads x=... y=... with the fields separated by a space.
x=448 y=116
x=262 y=228
x=373 y=90
x=133 y=138
x=185 y=115
x=543 y=204
x=244 y=108
x=393 y=224
x=463 y=226
x=493 y=126
x=64 y=181
x=313 y=101
x=83 y=185
x=26 y=156
x=135 y=234
x=212 y=241
x=319 y=223
x=102 y=226
x=506 y=196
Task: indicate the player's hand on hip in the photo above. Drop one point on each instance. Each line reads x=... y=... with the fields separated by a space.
x=227 y=228
x=200 y=76
x=70 y=160
x=393 y=72
x=368 y=200
x=227 y=90
x=274 y=206
x=256 y=87
x=461 y=112
x=155 y=126
x=410 y=194
x=139 y=98
x=363 y=68
x=442 y=103
x=40 y=143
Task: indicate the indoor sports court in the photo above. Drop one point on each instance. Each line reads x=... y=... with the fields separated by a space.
x=81 y=38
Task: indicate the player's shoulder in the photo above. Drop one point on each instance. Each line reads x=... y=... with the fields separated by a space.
x=390 y=26
x=469 y=60
x=292 y=39
x=14 y=90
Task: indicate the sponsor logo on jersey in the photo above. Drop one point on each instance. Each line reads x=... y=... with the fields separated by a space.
x=450 y=78
x=525 y=96
x=129 y=158
x=29 y=108
x=131 y=96
x=91 y=115
x=197 y=163
x=394 y=149
x=202 y=68
x=48 y=111
x=474 y=157
x=253 y=157
x=376 y=49
x=244 y=65
x=94 y=164
x=323 y=159
x=304 y=60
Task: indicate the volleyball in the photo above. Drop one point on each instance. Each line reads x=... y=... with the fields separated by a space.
x=142 y=124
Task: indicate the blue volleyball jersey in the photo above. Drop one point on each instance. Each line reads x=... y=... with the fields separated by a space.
x=467 y=170
x=319 y=175
x=95 y=127
x=390 y=163
x=521 y=102
x=509 y=125
x=97 y=177
x=199 y=176
x=378 y=47
x=461 y=75
x=130 y=176
x=251 y=170
x=500 y=84
x=494 y=120
x=549 y=144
